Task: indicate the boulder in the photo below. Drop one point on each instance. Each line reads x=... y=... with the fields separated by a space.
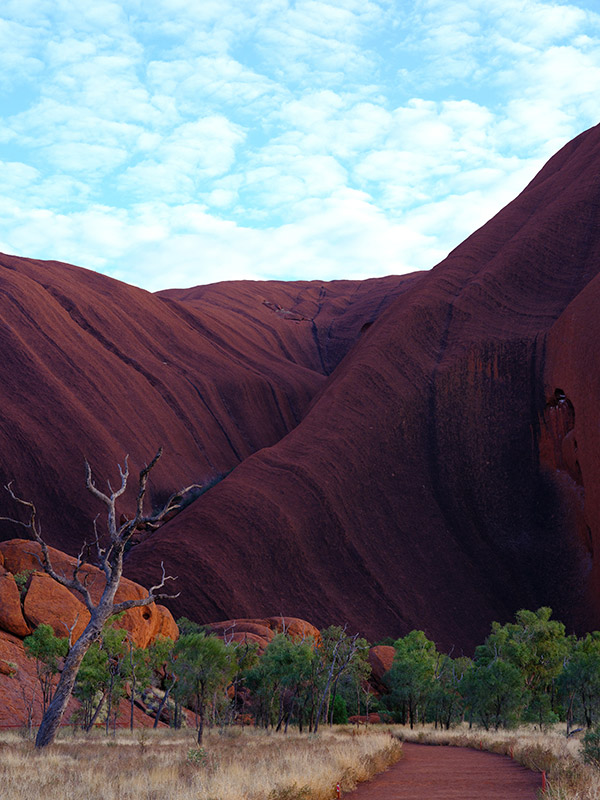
x=381 y=658
x=262 y=631
x=294 y=627
x=48 y=602
x=11 y=614
x=167 y=627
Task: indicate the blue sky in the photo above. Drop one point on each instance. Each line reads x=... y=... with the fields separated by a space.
x=179 y=142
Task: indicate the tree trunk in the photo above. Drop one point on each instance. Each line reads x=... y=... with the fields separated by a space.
x=96 y=712
x=110 y=699
x=201 y=727
x=54 y=714
x=162 y=704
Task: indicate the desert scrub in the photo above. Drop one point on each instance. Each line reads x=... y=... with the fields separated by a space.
x=252 y=765
x=569 y=778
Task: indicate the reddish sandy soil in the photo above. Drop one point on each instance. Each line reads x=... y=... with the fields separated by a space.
x=451 y=773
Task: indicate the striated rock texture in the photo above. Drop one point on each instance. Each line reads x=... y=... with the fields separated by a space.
x=408 y=452
x=421 y=488
x=93 y=368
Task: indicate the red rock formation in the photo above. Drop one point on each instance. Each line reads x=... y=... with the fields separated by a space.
x=11 y=613
x=425 y=477
x=50 y=603
x=94 y=368
x=570 y=433
x=46 y=601
x=381 y=658
x=411 y=494
x=262 y=631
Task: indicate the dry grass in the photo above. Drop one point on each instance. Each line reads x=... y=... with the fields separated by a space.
x=568 y=777
x=236 y=765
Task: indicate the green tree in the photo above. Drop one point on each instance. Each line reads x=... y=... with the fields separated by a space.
x=343 y=659
x=537 y=646
x=91 y=684
x=446 y=700
x=244 y=658
x=280 y=678
x=579 y=682
x=139 y=674
x=114 y=645
x=162 y=663
x=203 y=665
x=109 y=556
x=411 y=678
x=494 y=691
x=48 y=650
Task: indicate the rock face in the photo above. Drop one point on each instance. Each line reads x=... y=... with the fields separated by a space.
x=416 y=492
x=93 y=368
x=262 y=631
x=413 y=452
x=45 y=601
x=381 y=658
x=11 y=613
x=42 y=600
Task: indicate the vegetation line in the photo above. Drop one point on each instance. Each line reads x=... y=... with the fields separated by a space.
x=234 y=764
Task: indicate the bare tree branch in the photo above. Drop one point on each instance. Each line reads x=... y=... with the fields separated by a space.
x=110 y=562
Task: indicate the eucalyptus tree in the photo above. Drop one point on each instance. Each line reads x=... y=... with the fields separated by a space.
x=202 y=664
x=48 y=650
x=411 y=677
x=537 y=646
x=579 y=682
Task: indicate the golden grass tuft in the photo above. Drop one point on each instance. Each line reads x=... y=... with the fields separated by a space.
x=167 y=765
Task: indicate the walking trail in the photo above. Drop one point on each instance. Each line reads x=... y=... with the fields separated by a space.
x=451 y=773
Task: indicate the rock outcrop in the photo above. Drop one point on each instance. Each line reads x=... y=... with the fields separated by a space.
x=381 y=658
x=34 y=599
x=414 y=493
x=45 y=601
x=262 y=631
x=409 y=452
x=93 y=368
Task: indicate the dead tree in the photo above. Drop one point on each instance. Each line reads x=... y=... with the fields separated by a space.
x=109 y=557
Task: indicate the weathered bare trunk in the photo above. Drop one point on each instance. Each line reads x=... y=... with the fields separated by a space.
x=54 y=714
x=110 y=561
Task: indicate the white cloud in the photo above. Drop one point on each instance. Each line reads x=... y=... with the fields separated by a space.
x=319 y=138
x=193 y=152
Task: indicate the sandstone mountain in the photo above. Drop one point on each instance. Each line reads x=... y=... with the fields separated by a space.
x=408 y=452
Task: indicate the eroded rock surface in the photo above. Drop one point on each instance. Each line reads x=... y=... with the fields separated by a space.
x=412 y=494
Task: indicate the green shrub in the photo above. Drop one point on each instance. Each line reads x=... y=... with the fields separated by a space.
x=591 y=747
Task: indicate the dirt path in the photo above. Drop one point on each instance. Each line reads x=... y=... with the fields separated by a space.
x=451 y=773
